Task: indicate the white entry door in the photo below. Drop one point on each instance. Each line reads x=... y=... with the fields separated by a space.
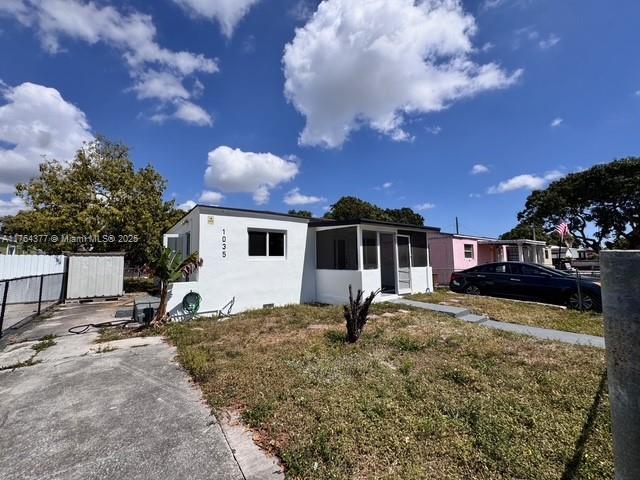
x=404 y=264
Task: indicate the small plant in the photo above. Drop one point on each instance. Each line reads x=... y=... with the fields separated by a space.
x=356 y=314
x=44 y=343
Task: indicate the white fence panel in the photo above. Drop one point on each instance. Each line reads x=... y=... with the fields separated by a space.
x=95 y=275
x=15 y=266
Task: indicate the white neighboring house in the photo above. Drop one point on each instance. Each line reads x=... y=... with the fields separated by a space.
x=263 y=259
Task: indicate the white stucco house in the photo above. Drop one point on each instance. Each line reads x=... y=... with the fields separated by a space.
x=262 y=259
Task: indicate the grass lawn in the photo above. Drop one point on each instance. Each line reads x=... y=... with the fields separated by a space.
x=421 y=395
x=503 y=310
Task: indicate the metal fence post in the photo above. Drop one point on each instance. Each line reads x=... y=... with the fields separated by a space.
x=40 y=293
x=4 y=304
x=621 y=308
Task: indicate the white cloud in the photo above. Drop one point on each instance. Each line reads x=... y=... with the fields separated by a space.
x=232 y=170
x=424 y=206
x=478 y=168
x=158 y=72
x=551 y=41
x=434 y=130
x=192 y=113
x=303 y=10
x=186 y=206
x=637 y=93
x=36 y=121
x=556 y=122
x=294 y=197
x=486 y=47
x=10 y=207
x=161 y=85
x=489 y=4
x=227 y=12
x=526 y=182
x=213 y=198
x=370 y=63
x=475 y=195
x=387 y=185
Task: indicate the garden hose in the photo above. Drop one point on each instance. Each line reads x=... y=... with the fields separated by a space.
x=191 y=303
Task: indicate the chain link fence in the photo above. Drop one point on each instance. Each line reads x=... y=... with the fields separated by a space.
x=25 y=297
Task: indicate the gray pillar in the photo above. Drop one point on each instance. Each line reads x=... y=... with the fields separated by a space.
x=621 y=307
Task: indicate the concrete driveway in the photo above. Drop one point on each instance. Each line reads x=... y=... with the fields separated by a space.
x=85 y=413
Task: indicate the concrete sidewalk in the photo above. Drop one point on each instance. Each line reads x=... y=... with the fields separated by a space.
x=107 y=411
x=541 y=333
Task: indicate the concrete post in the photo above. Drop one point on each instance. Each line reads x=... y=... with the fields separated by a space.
x=621 y=307
x=520 y=253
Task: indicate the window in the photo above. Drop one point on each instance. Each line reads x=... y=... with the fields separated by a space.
x=418 y=247
x=517 y=269
x=468 y=250
x=263 y=244
x=546 y=254
x=337 y=249
x=494 y=268
x=370 y=249
x=276 y=244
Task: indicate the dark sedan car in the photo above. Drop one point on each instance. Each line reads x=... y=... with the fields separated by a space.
x=528 y=281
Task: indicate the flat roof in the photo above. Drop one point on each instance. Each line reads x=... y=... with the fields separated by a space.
x=313 y=222
x=324 y=222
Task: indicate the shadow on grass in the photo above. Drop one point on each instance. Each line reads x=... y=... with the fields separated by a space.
x=573 y=466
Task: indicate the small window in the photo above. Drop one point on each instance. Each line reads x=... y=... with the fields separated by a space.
x=276 y=244
x=493 y=268
x=263 y=244
x=257 y=244
x=468 y=250
x=546 y=254
x=370 y=249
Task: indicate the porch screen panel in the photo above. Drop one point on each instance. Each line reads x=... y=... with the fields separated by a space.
x=370 y=249
x=418 y=247
x=337 y=249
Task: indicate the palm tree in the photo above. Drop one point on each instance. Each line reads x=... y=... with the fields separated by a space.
x=169 y=267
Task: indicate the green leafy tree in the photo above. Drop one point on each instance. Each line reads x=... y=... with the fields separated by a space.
x=168 y=267
x=523 y=230
x=301 y=213
x=353 y=208
x=601 y=205
x=99 y=193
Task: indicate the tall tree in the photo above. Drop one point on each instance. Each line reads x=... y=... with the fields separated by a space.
x=526 y=231
x=100 y=194
x=601 y=205
x=353 y=208
x=300 y=213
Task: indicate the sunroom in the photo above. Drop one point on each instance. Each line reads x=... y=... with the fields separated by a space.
x=370 y=255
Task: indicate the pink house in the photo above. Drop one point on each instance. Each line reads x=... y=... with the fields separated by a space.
x=451 y=253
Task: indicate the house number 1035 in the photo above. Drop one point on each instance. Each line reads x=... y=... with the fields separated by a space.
x=224 y=243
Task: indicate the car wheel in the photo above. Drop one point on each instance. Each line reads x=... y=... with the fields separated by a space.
x=573 y=301
x=472 y=290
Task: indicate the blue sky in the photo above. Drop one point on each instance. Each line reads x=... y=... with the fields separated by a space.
x=393 y=101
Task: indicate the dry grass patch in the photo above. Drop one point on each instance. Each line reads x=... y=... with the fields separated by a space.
x=419 y=396
x=524 y=313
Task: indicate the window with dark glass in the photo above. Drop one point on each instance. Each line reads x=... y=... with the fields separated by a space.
x=370 y=249
x=257 y=244
x=263 y=244
x=468 y=250
x=276 y=244
x=337 y=249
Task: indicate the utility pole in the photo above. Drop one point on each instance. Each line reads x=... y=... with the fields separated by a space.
x=621 y=308
x=457 y=227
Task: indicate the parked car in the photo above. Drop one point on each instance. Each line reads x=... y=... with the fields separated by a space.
x=528 y=281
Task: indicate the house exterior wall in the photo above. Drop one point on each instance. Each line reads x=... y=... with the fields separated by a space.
x=441 y=256
x=228 y=271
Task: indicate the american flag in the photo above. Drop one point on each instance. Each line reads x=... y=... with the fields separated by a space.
x=562 y=229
